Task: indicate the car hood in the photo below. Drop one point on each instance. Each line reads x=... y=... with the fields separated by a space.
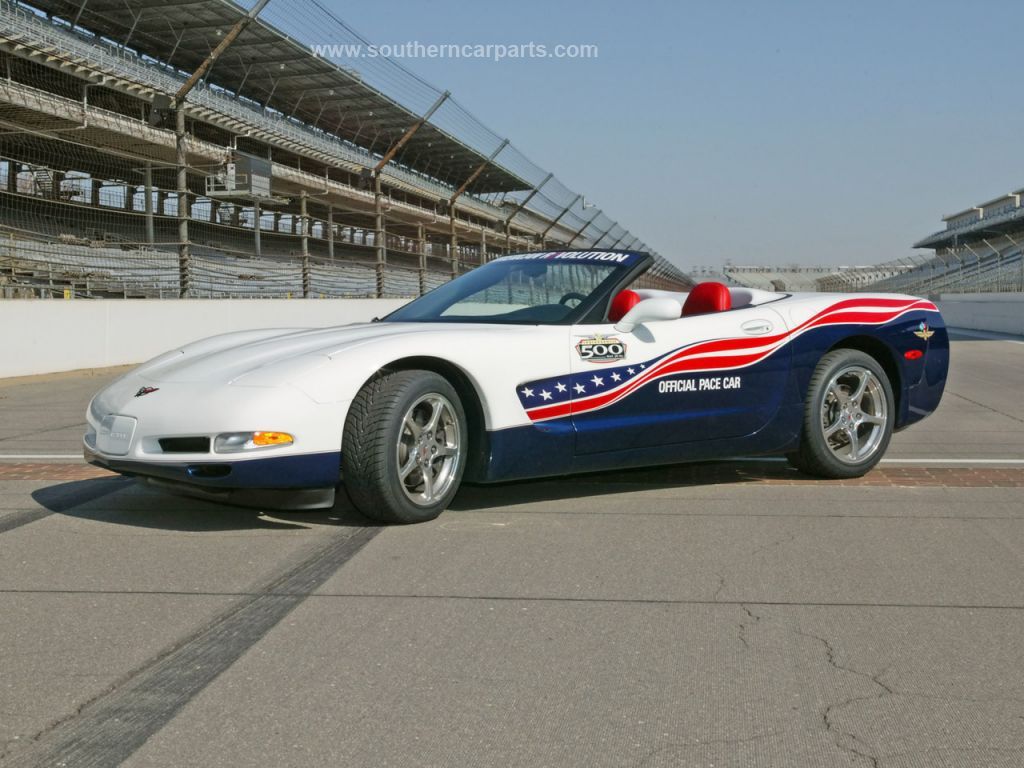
x=278 y=354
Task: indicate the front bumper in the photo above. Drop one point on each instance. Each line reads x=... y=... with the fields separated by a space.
x=302 y=481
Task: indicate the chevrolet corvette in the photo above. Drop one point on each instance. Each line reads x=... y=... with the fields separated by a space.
x=532 y=365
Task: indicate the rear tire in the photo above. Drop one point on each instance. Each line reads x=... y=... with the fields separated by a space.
x=404 y=447
x=848 y=417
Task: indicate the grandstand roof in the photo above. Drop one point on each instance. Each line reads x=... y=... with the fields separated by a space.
x=277 y=71
x=985 y=225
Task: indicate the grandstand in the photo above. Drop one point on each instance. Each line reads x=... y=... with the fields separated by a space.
x=201 y=150
x=981 y=250
x=795 y=278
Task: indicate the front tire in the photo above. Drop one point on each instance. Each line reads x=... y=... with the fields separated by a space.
x=848 y=417
x=404 y=447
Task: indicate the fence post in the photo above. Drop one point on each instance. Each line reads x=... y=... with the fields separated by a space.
x=304 y=224
x=379 y=235
x=421 y=246
x=184 y=252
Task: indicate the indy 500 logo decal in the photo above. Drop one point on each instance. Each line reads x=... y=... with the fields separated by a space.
x=601 y=349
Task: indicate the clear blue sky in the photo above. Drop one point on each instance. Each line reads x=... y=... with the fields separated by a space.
x=805 y=132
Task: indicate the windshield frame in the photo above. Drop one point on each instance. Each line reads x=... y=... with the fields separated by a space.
x=595 y=305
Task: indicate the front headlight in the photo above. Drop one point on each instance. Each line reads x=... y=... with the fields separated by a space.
x=236 y=442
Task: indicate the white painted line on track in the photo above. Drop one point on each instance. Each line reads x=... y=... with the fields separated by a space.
x=760 y=459
x=952 y=461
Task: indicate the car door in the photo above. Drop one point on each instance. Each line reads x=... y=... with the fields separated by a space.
x=703 y=377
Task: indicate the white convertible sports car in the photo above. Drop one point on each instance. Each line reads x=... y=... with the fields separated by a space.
x=533 y=365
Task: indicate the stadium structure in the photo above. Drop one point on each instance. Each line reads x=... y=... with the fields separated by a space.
x=980 y=250
x=200 y=149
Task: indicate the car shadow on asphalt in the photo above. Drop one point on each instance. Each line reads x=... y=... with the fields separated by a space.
x=122 y=501
x=609 y=483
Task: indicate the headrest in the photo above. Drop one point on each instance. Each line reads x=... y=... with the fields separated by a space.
x=707 y=297
x=624 y=301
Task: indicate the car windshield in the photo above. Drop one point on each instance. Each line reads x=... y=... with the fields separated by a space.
x=534 y=288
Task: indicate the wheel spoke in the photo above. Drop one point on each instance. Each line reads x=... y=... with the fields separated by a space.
x=862 y=385
x=837 y=393
x=854 y=442
x=833 y=428
x=435 y=416
x=409 y=466
x=428 y=484
x=868 y=418
x=414 y=428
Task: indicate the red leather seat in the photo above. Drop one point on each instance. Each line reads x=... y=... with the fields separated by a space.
x=624 y=301
x=707 y=297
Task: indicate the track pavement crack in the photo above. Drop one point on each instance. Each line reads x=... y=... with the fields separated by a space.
x=986 y=407
x=860 y=748
x=744 y=626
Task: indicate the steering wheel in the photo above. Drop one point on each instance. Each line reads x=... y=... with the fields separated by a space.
x=572 y=296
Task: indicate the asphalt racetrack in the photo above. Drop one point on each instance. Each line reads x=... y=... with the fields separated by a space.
x=716 y=615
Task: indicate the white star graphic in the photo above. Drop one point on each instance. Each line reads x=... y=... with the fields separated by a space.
x=598 y=381
x=580 y=388
x=545 y=394
x=527 y=392
x=630 y=371
x=560 y=386
x=642 y=366
x=616 y=377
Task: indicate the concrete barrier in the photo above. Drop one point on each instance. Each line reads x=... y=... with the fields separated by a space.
x=998 y=312
x=48 y=336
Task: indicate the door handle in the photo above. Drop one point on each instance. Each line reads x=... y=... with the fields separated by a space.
x=756 y=327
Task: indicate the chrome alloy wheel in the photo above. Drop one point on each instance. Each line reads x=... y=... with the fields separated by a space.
x=429 y=449
x=854 y=414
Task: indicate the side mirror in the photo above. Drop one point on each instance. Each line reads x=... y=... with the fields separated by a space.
x=647 y=311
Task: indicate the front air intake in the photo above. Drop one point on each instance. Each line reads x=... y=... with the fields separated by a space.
x=185 y=444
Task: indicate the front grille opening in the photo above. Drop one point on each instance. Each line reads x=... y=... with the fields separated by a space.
x=185 y=444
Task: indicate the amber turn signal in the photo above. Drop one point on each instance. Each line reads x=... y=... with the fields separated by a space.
x=271 y=438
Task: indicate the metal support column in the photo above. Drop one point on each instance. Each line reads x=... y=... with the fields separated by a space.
x=603 y=235
x=330 y=231
x=453 y=244
x=409 y=133
x=304 y=232
x=582 y=229
x=518 y=208
x=558 y=218
x=421 y=246
x=150 y=234
x=379 y=235
x=473 y=176
x=226 y=41
x=184 y=251
x=257 y=214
